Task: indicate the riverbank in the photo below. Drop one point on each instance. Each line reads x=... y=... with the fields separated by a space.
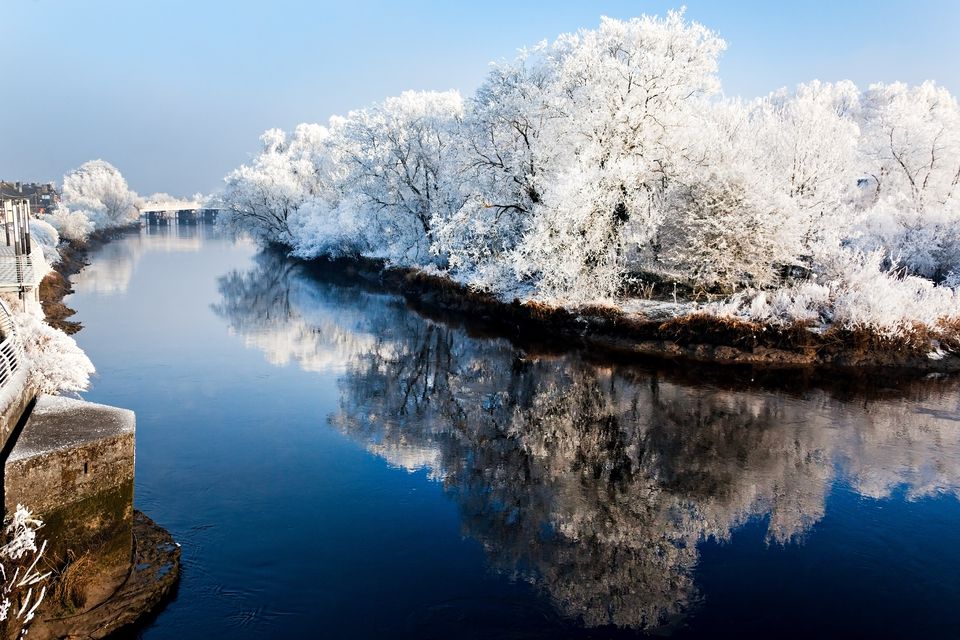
x=151 y=580
x=56 y=285
x=694 y=337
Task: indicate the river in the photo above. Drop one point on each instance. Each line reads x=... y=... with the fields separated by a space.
x=336 y=465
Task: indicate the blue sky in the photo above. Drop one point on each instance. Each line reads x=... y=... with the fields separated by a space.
x=175 y=93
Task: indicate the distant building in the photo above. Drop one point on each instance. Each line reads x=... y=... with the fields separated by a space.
x=42 y=196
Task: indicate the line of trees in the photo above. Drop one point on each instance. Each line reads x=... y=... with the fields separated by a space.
x=609 y=158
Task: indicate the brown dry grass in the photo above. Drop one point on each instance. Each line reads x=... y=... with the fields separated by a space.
x=72 y=581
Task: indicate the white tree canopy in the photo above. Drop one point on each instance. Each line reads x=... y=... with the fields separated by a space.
x=608 y=160
x=99 y=188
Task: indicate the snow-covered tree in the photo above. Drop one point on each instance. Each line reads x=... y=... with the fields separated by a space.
x=261 y=197
x=505 y=163
x=400 y=160
x=911 y=165
x=99 y=190
x=631 y=94
x=804 y=145
x=911 y=144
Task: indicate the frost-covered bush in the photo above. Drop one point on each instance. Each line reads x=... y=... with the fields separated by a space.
x=723 y=232
x=854 y=292
x=56 y=362
x=317 y=229
x=868 y=295
x=48 y=238
x=925 y=243
x=70 y=224
x=22 y=581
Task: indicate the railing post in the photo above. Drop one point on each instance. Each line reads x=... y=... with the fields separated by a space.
x=6 y=221
x=26 y=238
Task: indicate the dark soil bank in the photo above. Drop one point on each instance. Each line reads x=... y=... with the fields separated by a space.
x=696 y=337
x=56 y=286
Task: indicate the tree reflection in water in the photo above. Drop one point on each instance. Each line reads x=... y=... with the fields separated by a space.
x=594 y=483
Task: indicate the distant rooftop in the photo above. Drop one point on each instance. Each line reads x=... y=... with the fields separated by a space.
x=41 y=195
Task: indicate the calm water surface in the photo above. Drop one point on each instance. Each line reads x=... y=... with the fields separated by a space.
x=336 y=465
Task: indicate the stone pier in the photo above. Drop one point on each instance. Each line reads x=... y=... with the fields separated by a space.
x=72 y=465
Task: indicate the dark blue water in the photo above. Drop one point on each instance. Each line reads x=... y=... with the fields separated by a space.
x=336 y=465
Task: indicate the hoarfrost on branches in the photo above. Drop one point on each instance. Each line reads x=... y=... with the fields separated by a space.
x=70 y=224
x=56 y=362
x=95 y=197
x=48 y=238
x=23 y=588
x=100 y=189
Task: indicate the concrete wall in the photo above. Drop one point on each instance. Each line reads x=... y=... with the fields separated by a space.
x=72 y=465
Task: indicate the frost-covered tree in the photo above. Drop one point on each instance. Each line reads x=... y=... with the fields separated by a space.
x=505 y=167
x=261 y=197
x=804 y=145
x=911 y=165
x=400 y=165
x=911 y=144
x=99 y=190
x=631 y=94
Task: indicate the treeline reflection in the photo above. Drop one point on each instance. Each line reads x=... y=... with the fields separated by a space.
x=116 y=262
x=595 y=483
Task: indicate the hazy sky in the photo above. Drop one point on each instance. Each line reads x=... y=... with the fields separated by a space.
x=175 y=94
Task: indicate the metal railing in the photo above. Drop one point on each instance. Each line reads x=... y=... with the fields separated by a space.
x=16 y=224
x=11 y=349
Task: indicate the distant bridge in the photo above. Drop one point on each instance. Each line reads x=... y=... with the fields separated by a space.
x=179 y=211
x=172 y=205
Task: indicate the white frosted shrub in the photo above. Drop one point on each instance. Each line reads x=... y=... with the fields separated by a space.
x=925 y=244
x=868 y=296
x=317 y=229
x=71 y=225
x=47 y=236
x=22 y=581
x=56 y=362
x=858 y=294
